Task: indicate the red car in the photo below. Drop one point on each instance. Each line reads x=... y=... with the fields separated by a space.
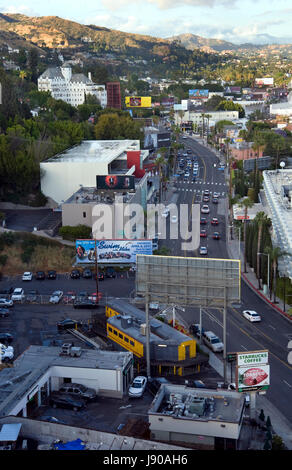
x=216 y=236
x=69 y=296
x=203 y=233
x=214 y=221
x=203 y=221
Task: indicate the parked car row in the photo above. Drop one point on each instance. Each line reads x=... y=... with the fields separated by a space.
x=75 y=274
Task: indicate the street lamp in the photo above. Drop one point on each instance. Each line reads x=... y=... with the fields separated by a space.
x=268 y=255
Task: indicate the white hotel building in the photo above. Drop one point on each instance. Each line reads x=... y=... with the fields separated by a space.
x=69 y=87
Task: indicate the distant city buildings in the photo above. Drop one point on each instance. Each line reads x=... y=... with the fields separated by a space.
x=71 y=88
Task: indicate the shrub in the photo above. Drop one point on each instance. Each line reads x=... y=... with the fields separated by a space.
x=73 y=233
x=3 y=259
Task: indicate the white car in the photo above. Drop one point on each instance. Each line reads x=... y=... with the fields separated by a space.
x=205 y=209
x=27 y=276
x=56 y=297
x=165 y=213
x=6 y=303
x=18 y=294
x=137 y=387
x=173 y=219
x=7 y=353
x=251 y=315
x=203 y=250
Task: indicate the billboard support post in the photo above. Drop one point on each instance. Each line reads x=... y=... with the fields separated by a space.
x=96 y=272
x=200 y=332
x=147 y=336
x=224 y=335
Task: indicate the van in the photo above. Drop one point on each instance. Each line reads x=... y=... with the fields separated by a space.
x=212 y=341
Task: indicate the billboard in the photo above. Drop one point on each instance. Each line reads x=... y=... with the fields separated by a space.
x=138 y=101
x=253 y=378
x=264 y=81
x=115 y=182
x=199 y=94
x=252 y=358
x=181 y=280
x=111 y=251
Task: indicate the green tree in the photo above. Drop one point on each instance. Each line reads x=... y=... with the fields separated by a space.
x=261 y=219
x=246 y=203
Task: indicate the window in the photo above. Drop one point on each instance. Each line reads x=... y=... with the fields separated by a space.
x=126 y=339
x=84 y=215
x=110 y=329
x=132 y=343
x=115 y=333
x=120 y=335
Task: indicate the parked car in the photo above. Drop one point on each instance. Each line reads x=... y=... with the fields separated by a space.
x=173 y=219
x=78 y=390
x=75 y=274
x=66 y=401
x=154 y=383
x=212 y=341
x=7 y=291
x=40 y=275
x=4 y=312
x=68 y=323
x=6 y=303
x=203 y=250
x=214 y=221
x=56 y=297
x=7 y=353
x=85 y=303
x=195 y=384
x=205 y=209
x=69 y=296
x=137 y=387
x=27 y=276
x=165 y=213
x=195 y=329
x=251 y=315
x=31 y=296
x=52 y=274
x=87 y=273
x=18 y=294
x=110 y=272
x=6 y=338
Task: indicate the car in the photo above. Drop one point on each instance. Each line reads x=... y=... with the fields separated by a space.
x=212 y=341
x=195 y=384
x=51 y=419
x=66 y=401
x=4 y=312
x=85 y=303
x=216 y=194
x=203 y=221
x=203 y=250
x=110 y=272
x=216 y=236
x=31 y=296
x=137 y=387
x=75 y=274
x=18 y=294
x=87 y=273
x=82 y=294
x=6 y=338
x=205 y=209
x=194 y=178
x=154 y=383
x=56 y=297
x=93 y=296
x=68 y=323
x=51 y=274
x=214 y=221
x=206 y=199
x=165 y=213
x=40 y=276
x=6 y=303
x=7 y=353
x=194 y=329
x=5 y=292
x=174 y=219
x=78 y=390
x=203 y=233
x=27 y=276
x=100 y=276
x=69 y=296
x=251 y=315
x=206 y=192
x=186 y=175
x=215 y=200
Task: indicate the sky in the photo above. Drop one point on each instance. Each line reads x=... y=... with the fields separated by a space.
x=236 y=21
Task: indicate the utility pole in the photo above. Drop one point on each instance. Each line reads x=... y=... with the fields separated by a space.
x=147 y=336
x=224 y=335
x=96 y=273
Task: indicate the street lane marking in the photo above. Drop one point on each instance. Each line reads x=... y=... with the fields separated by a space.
x=287 y=383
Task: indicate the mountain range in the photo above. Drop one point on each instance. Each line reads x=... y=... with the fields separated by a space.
x=52 y=31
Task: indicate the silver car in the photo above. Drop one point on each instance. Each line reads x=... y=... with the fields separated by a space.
x=56 y=297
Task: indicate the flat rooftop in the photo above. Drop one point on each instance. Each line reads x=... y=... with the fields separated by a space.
x=179 y=401
x=100 y=151
x=16 y=381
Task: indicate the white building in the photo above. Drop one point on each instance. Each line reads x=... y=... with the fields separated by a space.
x=71 y=88
x=282 y=109
x=65 y=173
x=214 y=116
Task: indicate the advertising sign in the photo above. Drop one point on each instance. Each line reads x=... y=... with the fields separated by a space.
x=264 y=81
x=253 y=377
x=198 y=93
x=122 y=182
x=253 y=358
x=111 y=251
x=138 y=101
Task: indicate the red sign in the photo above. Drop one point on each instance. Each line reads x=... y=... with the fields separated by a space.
x=242 y=217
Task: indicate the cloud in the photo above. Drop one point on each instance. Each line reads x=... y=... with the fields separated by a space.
x=22 y=9
x=167 y=4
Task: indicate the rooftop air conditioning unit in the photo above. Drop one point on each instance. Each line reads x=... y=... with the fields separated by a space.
x=143 y=329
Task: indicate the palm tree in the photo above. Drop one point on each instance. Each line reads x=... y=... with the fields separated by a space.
x=246 y=203
x=275 y=254
x=261 y=219
x=159 y=163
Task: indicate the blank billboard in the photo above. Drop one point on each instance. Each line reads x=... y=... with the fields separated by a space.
x=188 y=281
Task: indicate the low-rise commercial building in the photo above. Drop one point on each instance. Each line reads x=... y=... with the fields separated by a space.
x=206 y=419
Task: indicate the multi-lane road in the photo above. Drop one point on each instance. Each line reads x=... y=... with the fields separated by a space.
x=274 y=331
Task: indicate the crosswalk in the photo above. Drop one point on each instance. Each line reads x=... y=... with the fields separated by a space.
x=198 y=187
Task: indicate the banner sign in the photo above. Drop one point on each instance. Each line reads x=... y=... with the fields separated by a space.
x=252 y=358
x=122 y=182
x=253 y=378
x=198 y=93
x=138 y=101
x=111 y=251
